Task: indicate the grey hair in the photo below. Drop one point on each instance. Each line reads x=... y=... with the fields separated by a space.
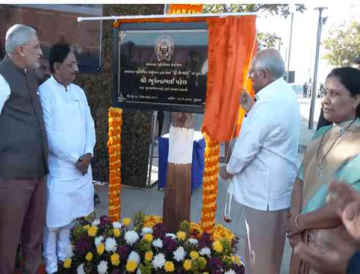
x=17 y=36
x=272 y=61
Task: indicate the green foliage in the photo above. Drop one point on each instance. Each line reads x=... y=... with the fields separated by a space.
x=343 y=44
x=265 y=40
x=227 y=247
x=136 y=124
x=139 y=221
x=145 y=268
x=185 y=227
x=273 y=9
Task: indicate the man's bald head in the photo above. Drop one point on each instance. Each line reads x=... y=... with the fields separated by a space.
x=266 y=67
x=271 y=60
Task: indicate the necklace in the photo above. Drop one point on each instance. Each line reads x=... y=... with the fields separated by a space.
x=327 y=152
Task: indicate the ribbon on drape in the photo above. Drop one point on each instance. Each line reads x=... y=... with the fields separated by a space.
x=232 y=43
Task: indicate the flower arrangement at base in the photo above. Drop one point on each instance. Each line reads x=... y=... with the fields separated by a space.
x=101 y=246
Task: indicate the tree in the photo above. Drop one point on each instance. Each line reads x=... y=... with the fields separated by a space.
x=343 y=44
x=266 y=40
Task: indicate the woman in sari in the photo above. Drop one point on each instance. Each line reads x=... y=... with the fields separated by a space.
x=334 y=152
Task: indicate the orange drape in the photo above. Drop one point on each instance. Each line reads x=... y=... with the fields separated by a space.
x=184 y=8
x=232 y=42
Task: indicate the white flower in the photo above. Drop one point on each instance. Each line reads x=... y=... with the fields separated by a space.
x=230 y=272
x=80 y=269
x=69 y=251
x=157 y=243
x=134 y=256
x=179 y=254
x=193 y=241
x=146 y=230
x=102 y=267
x=98 y=240
x=117 y=225
x=158 y=261
x=110 y=245
x=131 y=237
x=96 y=222
x=205 y=251
x=171 y=235
x=138 y=271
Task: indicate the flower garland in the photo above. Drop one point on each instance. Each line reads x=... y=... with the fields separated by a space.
x=210 y=185
x=114 y=149
x=185 y=9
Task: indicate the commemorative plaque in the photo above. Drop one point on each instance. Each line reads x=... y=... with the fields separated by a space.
x=161 y=66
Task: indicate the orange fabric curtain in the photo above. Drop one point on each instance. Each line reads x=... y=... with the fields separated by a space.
x=232 y=43
x=185 y=8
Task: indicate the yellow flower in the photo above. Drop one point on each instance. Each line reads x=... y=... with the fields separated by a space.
x=205 y=272
x=92 y=231
x=217 y=246
x=181 y=235
x=126 y=221
x=131 y=266
x=236 y=260
x=116 y=232
x=187 y=265
x=100 y=248
x=89 y=256
x=149 y=256
x=67 y=263
x=148 y=237
x=194 y=255
x=169 y=267
x=86 y=227
x=202 y=260
x=115 y=259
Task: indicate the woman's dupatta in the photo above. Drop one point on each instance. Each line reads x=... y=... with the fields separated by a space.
x=343 y=163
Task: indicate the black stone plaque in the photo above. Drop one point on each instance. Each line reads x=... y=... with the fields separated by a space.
x=161 y=66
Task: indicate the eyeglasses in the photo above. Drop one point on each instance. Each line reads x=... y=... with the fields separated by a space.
x=252 y=72
x=35 y=47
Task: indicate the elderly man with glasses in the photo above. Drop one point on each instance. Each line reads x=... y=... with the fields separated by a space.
x=23 y=152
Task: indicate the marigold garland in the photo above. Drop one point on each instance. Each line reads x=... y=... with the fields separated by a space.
x=114 y=149
x=185 y=8
x=210 y=185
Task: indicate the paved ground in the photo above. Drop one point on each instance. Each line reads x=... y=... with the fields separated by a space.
x=150 y=200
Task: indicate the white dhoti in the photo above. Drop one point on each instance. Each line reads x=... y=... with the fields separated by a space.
x=264 y=247
x=56 y=244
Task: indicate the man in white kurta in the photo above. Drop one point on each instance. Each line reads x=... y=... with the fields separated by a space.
x=263 y=165
x=71 y=135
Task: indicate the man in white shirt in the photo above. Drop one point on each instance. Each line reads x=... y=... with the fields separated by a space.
x=263 y=165
x=71 y=134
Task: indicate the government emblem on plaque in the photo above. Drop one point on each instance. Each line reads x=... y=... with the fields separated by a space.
x=164 y=48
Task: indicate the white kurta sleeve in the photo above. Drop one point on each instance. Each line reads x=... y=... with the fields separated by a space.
x=259 y=127
x=55 y=147
x=5 y=92
x=90 y=129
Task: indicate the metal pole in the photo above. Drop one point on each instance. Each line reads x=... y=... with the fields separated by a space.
x=288 y=60
x=313 y=94
x=197 y=15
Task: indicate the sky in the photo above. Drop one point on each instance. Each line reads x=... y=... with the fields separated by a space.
x=303 y=46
